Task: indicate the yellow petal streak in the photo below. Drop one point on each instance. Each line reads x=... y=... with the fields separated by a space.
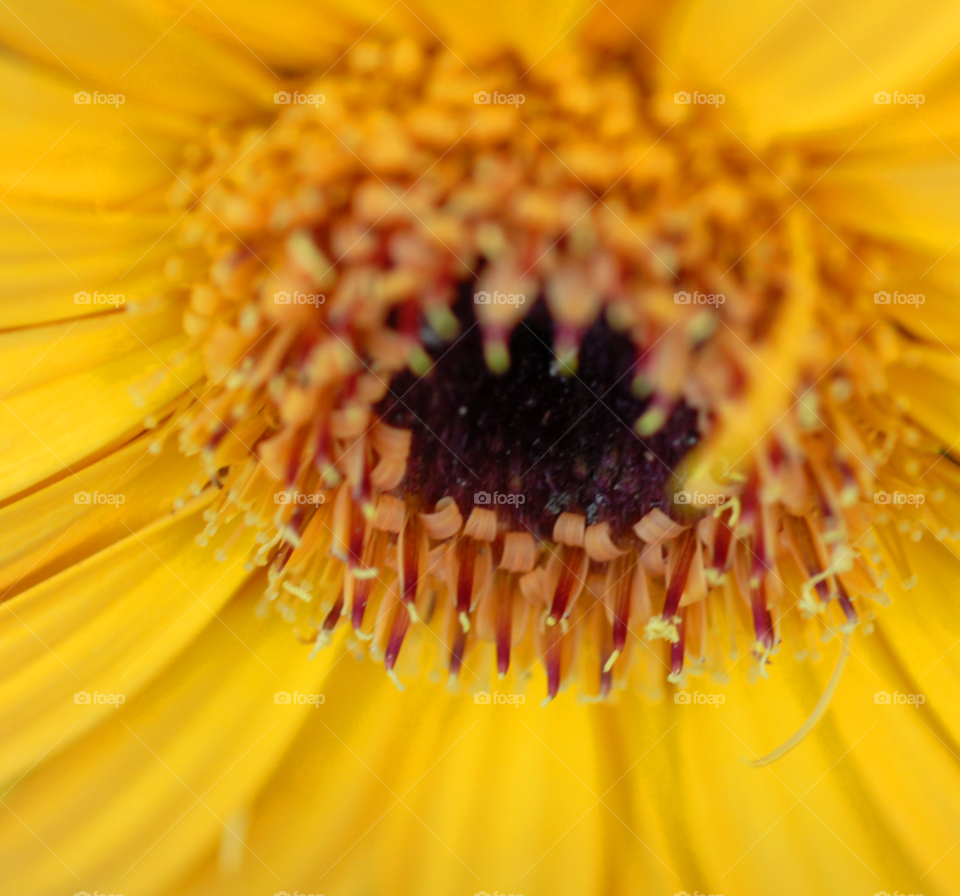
x=42 y=432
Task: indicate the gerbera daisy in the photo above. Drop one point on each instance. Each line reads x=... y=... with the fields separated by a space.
x=549 y=354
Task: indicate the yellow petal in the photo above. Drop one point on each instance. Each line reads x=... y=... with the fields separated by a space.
x=55 y=252
x=137 y=802
x=99 y=627
x=801 y=69
x=923 y=636
x=43 y=432
x=93 y=154
x=507 y=798
x=914 y=205
x=930 y=400
x=289 y=33
x=38 y=355
x=48 y=531
x=154 y=56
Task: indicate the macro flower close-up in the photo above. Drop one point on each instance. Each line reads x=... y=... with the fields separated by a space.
x=481 y=448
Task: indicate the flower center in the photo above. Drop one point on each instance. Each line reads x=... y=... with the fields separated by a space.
x=415 y=300
x=533 y=442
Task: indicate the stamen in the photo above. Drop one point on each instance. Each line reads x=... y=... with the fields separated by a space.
x=413 y=549
x=401 y=622
x=553 y=637
x=814 y=716
x=723 y=538
x=567 y=566
x=677 y=649
x=622 y=571
x=360 y=580
x=504 y=598
x=457 y=651
x=681 y=556
x=329 y=623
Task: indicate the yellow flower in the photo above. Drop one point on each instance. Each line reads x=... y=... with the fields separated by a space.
x=611 y=350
